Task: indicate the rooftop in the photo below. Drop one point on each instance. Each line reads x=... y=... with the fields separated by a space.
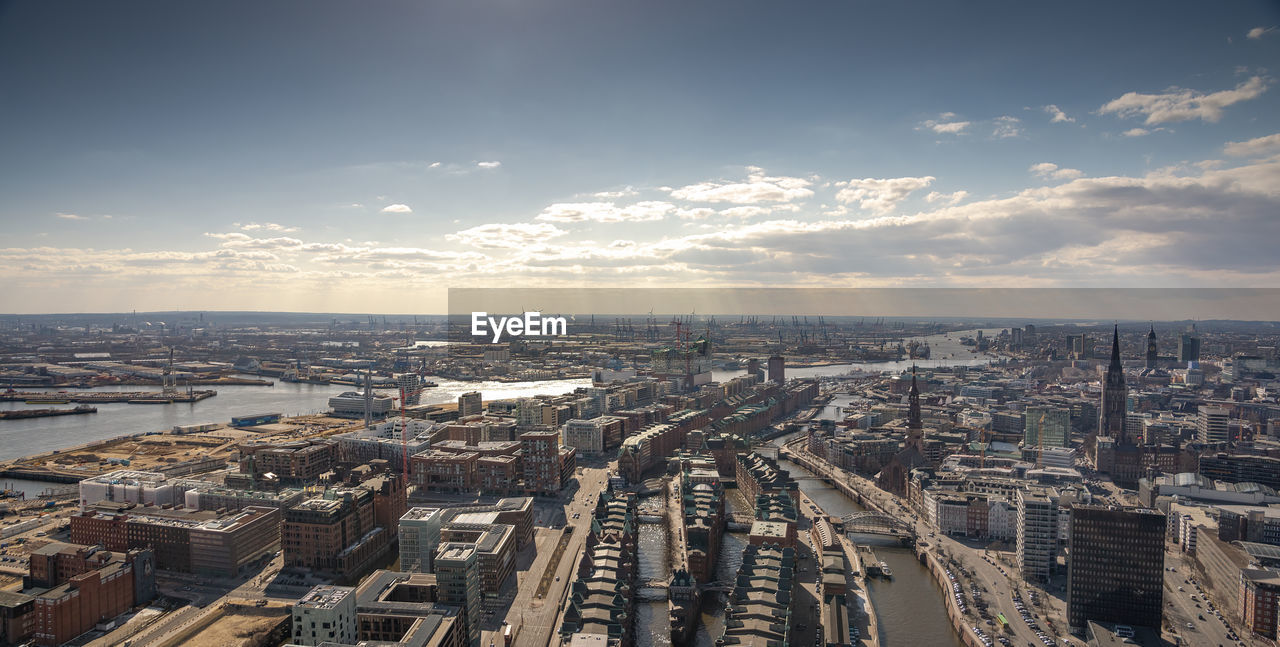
x=325 y=596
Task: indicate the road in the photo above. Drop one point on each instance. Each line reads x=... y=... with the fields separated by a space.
x=535 y=619
x=994 y=585
x=1180 y=609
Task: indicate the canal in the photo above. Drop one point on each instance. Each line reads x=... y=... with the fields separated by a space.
x=910 y=607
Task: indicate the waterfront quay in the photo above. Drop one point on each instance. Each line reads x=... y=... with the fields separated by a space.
x=987 y=585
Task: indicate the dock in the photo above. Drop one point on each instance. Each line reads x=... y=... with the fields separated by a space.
x=870 y=563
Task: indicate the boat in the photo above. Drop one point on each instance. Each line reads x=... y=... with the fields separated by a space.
x=20 y=414
x=47 y=401
x=885 y=571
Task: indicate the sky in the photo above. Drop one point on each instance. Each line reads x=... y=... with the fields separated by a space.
x=365 y=157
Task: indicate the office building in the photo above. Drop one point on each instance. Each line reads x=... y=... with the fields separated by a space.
x=1263 y=470
x=1037 y=535
x=326 y=614
x=457 y=568
x=1213 y=425
x=335 y=534
x=777 y=369
x=1259 y=594
x=1188 y=348
x=405 y=609
x=419 y=538
x=495 y=548
x=470 y=404
x=1048 y=425
x=1115 y=570
x=548 y=466
x=193 y=541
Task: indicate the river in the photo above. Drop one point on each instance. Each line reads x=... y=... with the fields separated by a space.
x=36 y=435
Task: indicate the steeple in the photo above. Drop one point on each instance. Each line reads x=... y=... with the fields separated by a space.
x=1111 y=413
x=1152 y=354
x=1115 y=351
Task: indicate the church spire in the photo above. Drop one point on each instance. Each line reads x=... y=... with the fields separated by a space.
x=1152 y=353
x=1115 y=350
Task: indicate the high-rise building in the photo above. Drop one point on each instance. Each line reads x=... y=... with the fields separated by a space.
x=458 y=580
x=1111 y=412
x=326 y=614
x=419 y=537
x=777 y=369
x=409 y=388
x=1048 y=424
x=1188 y=347
x=470 y=404
x=1213 y=425
x=1151 y=347
x=1037 y=535
x=1115 y=571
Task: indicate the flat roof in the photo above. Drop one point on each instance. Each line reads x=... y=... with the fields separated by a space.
x=325 y=596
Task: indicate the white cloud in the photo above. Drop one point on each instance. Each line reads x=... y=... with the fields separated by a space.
x=945 y=125
x=1178 y=104
x=1057 y=115
x=613 y=195
x=266 y=226
x=244 y=241
x=946 y=198
x=880 y=195
x=694 y=213
x=397 y=208
x=493 y=164
x=434 y=165
x=507 y=236
x=1006 y=126
x=69 y=216
x=1258 y=32
x=758 y=188
x=1049 y=170
x=1136 y=132
x=749 y=211
x=605 y=212
x=1256 y=147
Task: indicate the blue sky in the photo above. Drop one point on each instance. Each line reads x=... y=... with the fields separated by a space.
x=366 y=156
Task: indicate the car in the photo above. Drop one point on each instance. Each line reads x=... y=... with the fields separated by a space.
x=1190 y=626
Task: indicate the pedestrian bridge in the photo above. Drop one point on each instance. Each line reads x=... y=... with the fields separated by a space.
x=876 y=523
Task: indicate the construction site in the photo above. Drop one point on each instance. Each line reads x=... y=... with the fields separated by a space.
x=176 y=452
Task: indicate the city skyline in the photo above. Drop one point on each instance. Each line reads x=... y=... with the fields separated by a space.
x=373 y=158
